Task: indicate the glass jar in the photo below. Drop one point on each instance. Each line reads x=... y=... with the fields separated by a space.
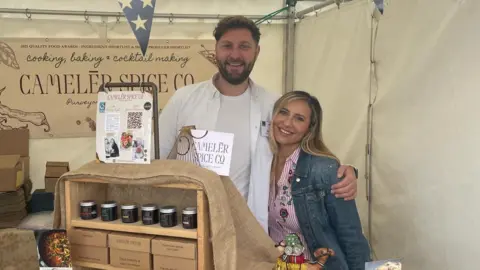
x=129 y=213
x=109 y=211
x=149 y=214
x=189 y=218
x=168 y=216
x=88 y=210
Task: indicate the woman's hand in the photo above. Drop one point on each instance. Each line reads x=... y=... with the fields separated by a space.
x=347 y=188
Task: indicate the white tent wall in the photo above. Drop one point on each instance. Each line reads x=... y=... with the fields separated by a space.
x=425 y=138
x=332 y=62
x=426 y=134
x=78 y=151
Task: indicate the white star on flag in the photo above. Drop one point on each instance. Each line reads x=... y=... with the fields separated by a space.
x=139 y=14
x=147 y=3
x=125 y=3
x=139 y=23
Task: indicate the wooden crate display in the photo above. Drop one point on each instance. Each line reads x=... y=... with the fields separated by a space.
x=77 y=190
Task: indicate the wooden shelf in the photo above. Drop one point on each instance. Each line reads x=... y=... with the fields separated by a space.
x=138 y=227
x=77 y=190
x=191 y=186
x=97 y=266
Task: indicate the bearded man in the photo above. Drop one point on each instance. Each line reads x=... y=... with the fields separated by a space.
x=231 y=102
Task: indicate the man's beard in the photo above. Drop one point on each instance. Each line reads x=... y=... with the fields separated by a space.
x=235 y=79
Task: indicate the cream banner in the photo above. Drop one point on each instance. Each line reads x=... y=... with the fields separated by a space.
x=50 y=85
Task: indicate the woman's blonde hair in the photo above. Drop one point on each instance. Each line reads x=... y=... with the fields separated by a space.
x=312 y=143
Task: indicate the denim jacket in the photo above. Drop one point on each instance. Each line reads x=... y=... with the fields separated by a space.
x=326 y=221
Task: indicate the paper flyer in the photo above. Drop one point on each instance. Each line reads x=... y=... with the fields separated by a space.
x=124 y=127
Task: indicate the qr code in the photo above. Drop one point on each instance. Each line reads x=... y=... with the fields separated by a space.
x=134 y=120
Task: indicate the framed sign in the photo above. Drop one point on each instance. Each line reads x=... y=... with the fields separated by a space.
x=124 y=127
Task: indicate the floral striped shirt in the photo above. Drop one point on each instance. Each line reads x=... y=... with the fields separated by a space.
x=282 y=219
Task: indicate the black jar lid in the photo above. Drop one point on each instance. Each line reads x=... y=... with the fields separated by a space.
x=149 y=207
x=87 y=203
x=109 y=204
x=190 y=211
x=168 y=209
x=129 y=206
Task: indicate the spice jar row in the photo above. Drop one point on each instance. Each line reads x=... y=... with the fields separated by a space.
x=150 y=214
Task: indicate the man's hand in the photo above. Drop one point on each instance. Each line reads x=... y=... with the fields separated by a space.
x=322 y=255
x=311 y=266
x=347 y=188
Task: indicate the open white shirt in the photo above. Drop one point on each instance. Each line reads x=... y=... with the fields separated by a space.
x=199 y=105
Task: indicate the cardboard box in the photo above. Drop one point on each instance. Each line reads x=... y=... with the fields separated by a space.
x=174 y=247
x=12 y=219
x=130 y=259
x=11 y=173
x=26 y=167
x=55 y=169
x=86 y=237
x=131 y=242
x=89 y=254
x=172 y=263
x=14 y=142
x=50 y=184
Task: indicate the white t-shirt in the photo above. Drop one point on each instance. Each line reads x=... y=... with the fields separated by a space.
x=199 y=105
x=234 y=117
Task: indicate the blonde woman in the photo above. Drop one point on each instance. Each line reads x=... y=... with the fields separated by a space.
x=302 y=173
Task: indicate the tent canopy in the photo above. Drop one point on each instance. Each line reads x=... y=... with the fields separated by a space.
x=402 y=87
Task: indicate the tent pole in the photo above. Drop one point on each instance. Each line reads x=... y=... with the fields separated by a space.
x=29 y=12
x=370 y=125
x=289 y=50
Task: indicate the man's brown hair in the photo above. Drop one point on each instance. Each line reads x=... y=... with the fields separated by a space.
x=236 y=22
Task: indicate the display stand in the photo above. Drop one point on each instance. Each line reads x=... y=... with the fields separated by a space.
x=77 y=190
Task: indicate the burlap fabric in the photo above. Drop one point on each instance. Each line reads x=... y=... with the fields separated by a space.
x=238 y=240
x=18 y=250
